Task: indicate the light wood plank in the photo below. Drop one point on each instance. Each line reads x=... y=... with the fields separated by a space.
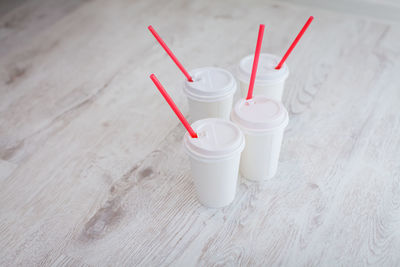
x=64 y=260
x=6 y=168
x=96 y=173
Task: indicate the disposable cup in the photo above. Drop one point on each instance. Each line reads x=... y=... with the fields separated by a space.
x=210 y=95
x=263 y=122
x=269 y=81
x=214 y=158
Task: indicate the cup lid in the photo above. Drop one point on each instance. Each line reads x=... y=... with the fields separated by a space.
x=260 y=114
x=266 y=72
x=216 y=138
x=210 y=83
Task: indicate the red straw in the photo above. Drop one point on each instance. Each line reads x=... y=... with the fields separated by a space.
x=173 y=106
x=255 y=61
x=169 y=52
x=294 y=42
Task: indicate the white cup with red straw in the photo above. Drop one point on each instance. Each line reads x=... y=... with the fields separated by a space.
x=272 y=71
x=262 y=121
x=214 y=147
x=209 y=90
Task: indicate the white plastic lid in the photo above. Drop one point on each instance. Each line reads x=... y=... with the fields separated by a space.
x=260 y=114
x=210 y=83
x=266 y=72
x=216 y=138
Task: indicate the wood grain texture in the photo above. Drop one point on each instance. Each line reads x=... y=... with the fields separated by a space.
x=92 y=170
x=6 y=168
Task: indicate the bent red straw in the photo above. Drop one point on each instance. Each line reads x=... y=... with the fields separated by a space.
x=169 y=52
x=294 y=42
x=173 y=106
x=255 y=62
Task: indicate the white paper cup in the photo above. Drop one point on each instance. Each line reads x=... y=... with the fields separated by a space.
x=210 y=95
x=269 y=81
x=214 y=158
x=263 y=122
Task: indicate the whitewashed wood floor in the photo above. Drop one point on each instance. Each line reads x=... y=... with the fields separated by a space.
x=92 y=170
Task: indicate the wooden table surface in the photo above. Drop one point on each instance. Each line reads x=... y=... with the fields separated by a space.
x=92 y=170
